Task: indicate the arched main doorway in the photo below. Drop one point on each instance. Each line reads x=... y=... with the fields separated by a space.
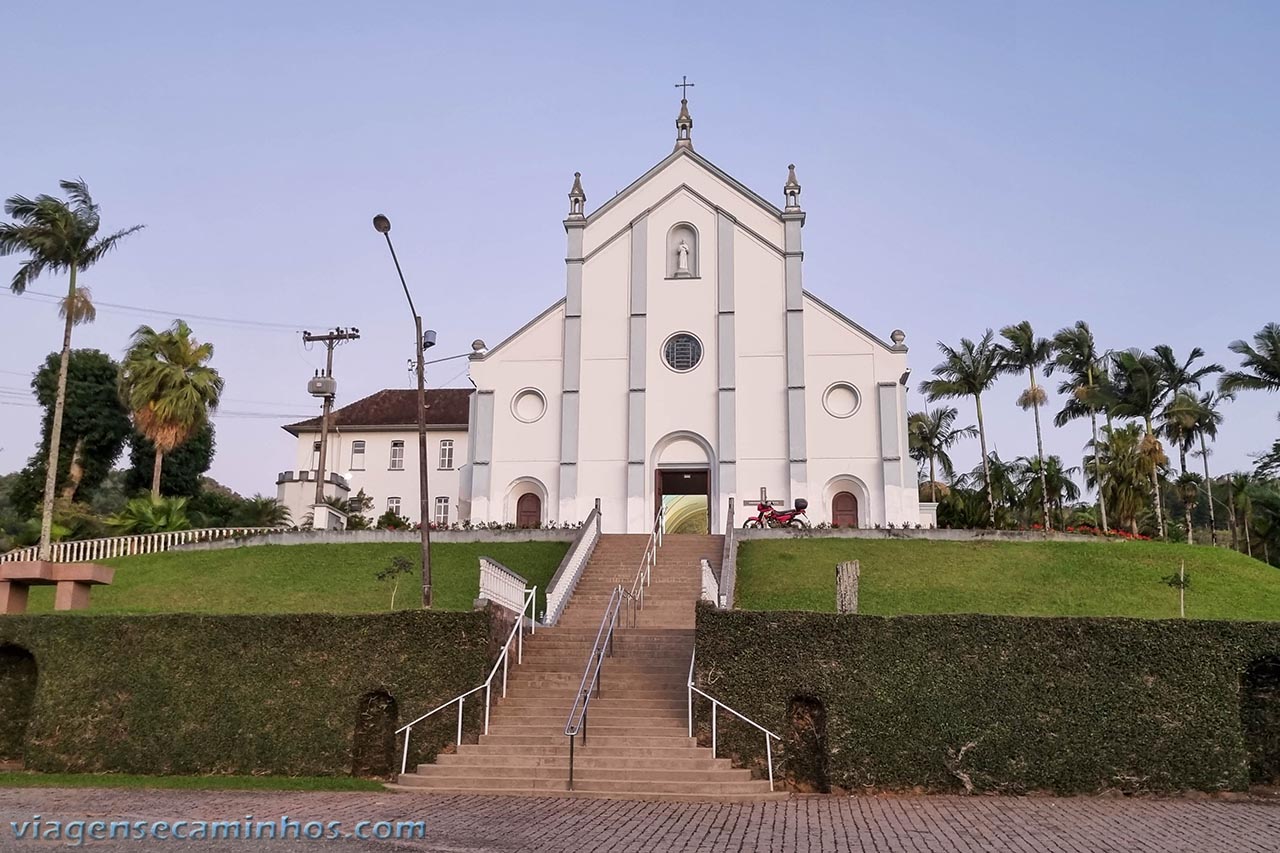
x=683 y=482
x=529 y=511
x=844 y=510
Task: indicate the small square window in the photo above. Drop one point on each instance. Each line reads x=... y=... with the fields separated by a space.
x=393 y=505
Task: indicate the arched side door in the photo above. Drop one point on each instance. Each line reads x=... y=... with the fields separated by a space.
x=844 y=510
x=529 y=511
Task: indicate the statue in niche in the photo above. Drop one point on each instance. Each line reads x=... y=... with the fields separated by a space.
x=682 y=258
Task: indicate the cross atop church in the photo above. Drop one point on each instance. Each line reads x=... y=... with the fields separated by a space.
x=683 y=86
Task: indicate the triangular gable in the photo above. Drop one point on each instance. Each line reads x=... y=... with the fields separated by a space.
x=844 y=320
x=518 y=333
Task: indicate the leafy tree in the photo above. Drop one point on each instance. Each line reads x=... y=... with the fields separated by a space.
x=930 y=434
x=1141 y=388
x=95 y=426
x=1120 y=467
x=1026 y=352
x=390 y=520
x=1240 y=507
x=57 y=236
x=184 y=469
x=357 y=505
x=150 y=515
x=1002 y=482
x=212 y=507
x=1189 y=490
x=1056 y=477
x=1260 y=368
x=1083 y=384
x=968 y=371
x=169 y=387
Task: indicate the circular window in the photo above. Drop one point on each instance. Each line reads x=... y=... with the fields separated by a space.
x=528 y=405
x=841 y=400
x=682 y=352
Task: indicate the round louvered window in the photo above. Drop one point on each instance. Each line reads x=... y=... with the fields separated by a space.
x=682 y=352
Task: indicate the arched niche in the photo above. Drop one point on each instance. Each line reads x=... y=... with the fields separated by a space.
x=519 y=488
x=682 y=233
x=847 y=483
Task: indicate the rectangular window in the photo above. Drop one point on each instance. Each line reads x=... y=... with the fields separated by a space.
x=397 y=456
x=315 y=456
x=393 y=505
x=442 y=512
x=446 y=455
x=357 y=456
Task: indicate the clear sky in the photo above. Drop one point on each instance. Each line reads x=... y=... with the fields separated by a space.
x=964 y=166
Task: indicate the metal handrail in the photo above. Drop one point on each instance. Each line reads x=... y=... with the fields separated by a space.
x=644 y=574
x=716 y=704
x=577 y=722
x=517 y=634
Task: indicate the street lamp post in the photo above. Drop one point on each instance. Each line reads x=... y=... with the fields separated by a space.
x=382 y=225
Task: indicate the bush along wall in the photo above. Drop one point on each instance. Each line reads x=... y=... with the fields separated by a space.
x=179 y=694
x=997 y=704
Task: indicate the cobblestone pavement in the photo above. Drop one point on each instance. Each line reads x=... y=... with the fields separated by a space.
x=880 y=824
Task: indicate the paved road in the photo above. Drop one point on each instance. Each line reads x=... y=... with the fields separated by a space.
x=879 y=824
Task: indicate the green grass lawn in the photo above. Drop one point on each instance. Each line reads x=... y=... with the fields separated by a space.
x=306 y=578
x=188 y=783
x=1008 y=578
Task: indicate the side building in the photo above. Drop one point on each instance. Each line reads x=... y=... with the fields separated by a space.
x=373 y=446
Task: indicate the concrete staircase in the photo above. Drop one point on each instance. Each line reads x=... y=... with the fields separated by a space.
x=638 y=744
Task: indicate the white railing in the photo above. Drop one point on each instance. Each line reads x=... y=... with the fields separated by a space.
x=571 y=567
x=716 y=705
x=710 y=586
x=644 y=573
x=516 y=636
x=85 y=550
x=502 y=586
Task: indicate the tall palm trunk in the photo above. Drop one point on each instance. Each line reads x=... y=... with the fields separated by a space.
x=1097 y=465
x=1044 y=482
x=1186 y=517
x=55 y=434
x=933 y=481
x=1208 y=487
x=986 y=463
x=1231 y=517
x=1155 y=485
x=155 y=473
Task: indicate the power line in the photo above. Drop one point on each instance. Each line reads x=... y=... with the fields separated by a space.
x=136 y=309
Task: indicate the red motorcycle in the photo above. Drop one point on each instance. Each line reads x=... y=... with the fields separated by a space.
x=767 y=516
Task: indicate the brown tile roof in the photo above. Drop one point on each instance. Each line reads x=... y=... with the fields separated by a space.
x=396 y=407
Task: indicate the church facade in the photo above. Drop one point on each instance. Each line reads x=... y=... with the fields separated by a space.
x=687 y=365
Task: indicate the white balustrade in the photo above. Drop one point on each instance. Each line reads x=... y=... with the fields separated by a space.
x=87 y=550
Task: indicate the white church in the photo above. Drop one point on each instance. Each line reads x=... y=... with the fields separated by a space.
x=686 y=365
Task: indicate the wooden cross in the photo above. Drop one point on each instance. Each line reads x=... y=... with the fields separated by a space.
x=683 y=86
x=764 y=497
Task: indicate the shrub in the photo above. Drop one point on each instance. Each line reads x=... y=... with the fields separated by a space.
x=238 y=694
x=988 y=703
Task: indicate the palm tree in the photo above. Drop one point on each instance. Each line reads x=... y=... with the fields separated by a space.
x=1240 y=501
x=1076 y=354
x=930 y=434
x=1140 y=389
x=1182 y=376
x=167 y=384
x=151 y=515
x=57 y=236
x=264 y=511
x=1056 y=477
x=1260 y=369
x=1189 y=490
x=1003 y=482
x=1209 y=418
x=1027 y=352
x=1119 y=467
x=1178 y=424
x=968 y=371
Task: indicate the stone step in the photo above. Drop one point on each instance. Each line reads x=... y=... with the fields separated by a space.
x=580 y=760
x=589 y=794
x=617 y=786
x=535 y=704
x=583 y=772
x=602 y=728
x=588 y=750
x=605 y=742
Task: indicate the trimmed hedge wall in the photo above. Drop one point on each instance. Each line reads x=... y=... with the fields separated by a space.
x=1009 y=704
x=238 y=694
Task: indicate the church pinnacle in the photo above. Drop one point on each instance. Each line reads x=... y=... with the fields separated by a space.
x=577 y=198
x=791 y=189
x=684 y=121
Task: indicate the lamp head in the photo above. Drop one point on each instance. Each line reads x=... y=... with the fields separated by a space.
x=381 y=224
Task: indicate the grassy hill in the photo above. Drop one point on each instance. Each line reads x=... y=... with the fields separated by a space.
x=1008 y=578
x=305 y=578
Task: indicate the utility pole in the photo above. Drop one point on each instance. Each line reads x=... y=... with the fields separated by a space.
x=325 y=387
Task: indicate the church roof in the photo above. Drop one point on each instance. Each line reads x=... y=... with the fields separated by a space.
x=742 y=188
x=396 y=408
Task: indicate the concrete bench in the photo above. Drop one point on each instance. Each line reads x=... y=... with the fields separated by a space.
x=73 y=582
